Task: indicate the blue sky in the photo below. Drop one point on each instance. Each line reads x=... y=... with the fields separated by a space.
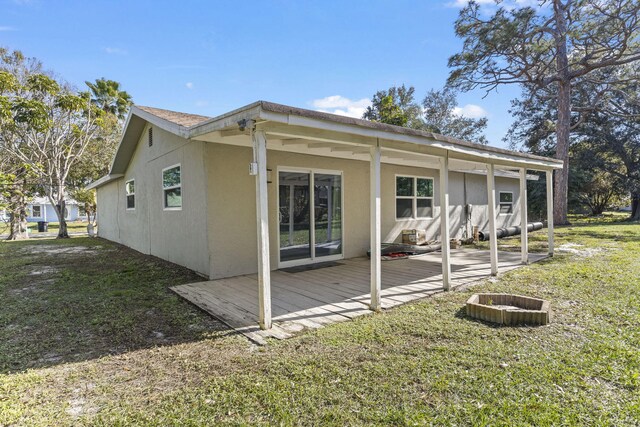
x=209 y=57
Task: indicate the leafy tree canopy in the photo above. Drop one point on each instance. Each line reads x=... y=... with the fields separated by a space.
x=107 y=96
x=55 y=130
x=440 y=116
x=552 y=49
x=397 y=106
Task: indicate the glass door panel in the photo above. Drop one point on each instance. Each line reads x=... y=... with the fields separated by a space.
x=294 y=216
x=328 y=214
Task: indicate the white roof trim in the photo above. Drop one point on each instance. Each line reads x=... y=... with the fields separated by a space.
x=104 y=180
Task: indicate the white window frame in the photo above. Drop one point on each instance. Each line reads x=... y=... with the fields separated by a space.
x=313 y=259
x=41 y=207
x=414 y=198
x=127 y=194
x=500 y=203
x=172 y=208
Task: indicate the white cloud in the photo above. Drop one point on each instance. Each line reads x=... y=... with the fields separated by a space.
x=189 y=85
x=5 y=28
x=471 y=111
x=115 y=51
x=202 y=103
x=337 y=104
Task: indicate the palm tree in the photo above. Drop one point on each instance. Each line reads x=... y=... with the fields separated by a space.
x=106 y=95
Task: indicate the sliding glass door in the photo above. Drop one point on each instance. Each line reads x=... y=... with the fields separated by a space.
x=310 y=216
x=295 y=218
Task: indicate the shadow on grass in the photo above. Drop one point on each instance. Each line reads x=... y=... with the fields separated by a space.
x=78 y=299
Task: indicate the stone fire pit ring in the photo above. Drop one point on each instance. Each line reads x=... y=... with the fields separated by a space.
x=508 y=309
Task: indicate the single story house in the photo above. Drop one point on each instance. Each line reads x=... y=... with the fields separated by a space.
x=269 y=186
x=41 y=209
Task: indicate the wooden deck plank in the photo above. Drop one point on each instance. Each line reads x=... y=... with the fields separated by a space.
x=317 y=297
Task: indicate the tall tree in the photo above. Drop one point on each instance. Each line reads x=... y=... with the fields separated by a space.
x=48 y=127
x=605 y=143
x=95 y=161
x=15 y=175
x=440 y=116
x=549 y=48
x=107 y=95
x=15 y=187
x=395 y=106
x=616 y=141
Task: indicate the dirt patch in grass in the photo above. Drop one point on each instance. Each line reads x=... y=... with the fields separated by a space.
x=61 y=250
x=579 y=250
x=77 y=299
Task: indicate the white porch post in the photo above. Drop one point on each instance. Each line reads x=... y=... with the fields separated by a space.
x=262 y=214
x=550 y=210
x=491 y=204
x=444 y=223
x=376 y=270
x=524 y=238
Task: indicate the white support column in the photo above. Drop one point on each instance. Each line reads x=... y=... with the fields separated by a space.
x=444 y=223
x=262 y=214
x=376 y=268
x=524 y=237
x=550 y=210
x=491 y=204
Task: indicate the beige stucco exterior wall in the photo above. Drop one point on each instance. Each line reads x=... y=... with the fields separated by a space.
x=108 y=208
x=215 y=232
x=179 y=236
x=231 y=216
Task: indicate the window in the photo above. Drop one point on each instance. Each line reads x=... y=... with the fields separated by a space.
x=172 y=187
x=414 y=197
x=130 y=191
x=36 y=211
x=150 y=137
x=506 y=202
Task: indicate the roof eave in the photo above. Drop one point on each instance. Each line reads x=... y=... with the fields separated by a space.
x=271 y=112
x=103 y=181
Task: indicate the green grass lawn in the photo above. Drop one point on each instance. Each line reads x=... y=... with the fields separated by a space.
x=72 y=227
x=89 y=334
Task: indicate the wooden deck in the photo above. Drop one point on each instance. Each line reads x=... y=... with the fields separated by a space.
x=317 y=297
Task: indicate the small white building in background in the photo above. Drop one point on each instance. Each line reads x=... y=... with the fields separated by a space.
x=41 y=209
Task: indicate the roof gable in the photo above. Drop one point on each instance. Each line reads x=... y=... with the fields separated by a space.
x=177 y=118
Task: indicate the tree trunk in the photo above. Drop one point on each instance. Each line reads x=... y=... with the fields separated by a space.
x=18 y=215
x=563 y=126
x=635 y=207
x=18 y=224
x=60 y=208
x=561 y=177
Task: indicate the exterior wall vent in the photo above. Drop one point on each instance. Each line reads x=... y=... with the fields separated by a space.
x=150 y=137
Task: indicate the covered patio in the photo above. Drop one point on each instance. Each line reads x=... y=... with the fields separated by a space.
x=277 y=303
x=314 y=296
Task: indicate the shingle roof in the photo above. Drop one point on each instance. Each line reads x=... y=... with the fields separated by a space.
x=182 y=119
